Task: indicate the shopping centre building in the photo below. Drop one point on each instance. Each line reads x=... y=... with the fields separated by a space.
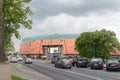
x=49 y=45
x=52 y=45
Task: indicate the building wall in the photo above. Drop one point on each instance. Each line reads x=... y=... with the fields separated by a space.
x=36 y=46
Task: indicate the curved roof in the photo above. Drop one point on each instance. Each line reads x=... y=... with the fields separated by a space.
x=54 y=36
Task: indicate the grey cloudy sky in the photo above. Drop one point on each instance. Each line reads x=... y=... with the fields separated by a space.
x=72 y=16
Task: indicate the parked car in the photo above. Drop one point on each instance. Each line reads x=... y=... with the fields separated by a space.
x=119 y=60
x=13 y=60
x=28 y=61
x=63 y=63
x=73 y=60
x=19 y=58
x=96 y=63
x=83 y=62
x=54 y=60
x=112 y=65
x=43 y=57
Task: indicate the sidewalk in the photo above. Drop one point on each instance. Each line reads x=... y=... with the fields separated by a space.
x=27 y=73
x=5 y=73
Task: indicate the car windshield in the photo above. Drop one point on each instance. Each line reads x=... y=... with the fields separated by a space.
x=13 y=58
x=112 y=61
x=82 y=59
x=66 y=60
x=28 y=59
x=97 y=59
x=119 y=60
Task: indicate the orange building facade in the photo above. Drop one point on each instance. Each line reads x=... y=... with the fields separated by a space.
x=62 y=44
x=47 y=45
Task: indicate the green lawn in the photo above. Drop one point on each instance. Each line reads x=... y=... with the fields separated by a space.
x=13 y=77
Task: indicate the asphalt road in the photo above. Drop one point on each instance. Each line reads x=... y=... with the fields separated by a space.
x=74 y=73
x=26 y=72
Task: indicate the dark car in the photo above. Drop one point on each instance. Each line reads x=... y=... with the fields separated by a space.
x=112 y=65
x=119 y=60
x=54 y=60
x=73 y=60
x=96 y=63
x=63 y=63
x=82 y=63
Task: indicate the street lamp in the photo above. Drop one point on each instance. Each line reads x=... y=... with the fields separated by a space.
x=94 y=44
x=94 y=53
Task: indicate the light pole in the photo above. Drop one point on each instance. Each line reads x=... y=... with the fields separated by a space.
x=61 y=48
x=94 y=53
x=94 y=44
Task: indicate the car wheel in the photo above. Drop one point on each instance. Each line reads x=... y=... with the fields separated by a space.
x=69 y=67
x=107 y=69
x=101 y=68
x=55 y=65
x=91 y=67
x=78 y=66
x=62 y=67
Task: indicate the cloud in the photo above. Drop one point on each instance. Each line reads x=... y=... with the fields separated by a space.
x=65 y=23
x=45 y=8
x=72 y=16
x=68 y=2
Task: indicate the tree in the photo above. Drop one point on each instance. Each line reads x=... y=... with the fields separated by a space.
x=9 y=47
x=2 y=55
x=15 y=15
x=97 y=44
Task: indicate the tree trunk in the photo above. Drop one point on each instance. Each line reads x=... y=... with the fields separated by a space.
x=2 y=54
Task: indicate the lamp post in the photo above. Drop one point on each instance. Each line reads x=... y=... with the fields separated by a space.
x=94 y=53
x=94 y=44
x=61 y=48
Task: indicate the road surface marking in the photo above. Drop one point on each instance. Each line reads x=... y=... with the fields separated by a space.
x=75 y=73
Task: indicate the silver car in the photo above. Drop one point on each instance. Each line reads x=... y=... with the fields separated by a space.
x=28 y=61
x=13 y=60
x=63 y=63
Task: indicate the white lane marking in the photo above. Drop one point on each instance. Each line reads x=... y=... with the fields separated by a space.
x=75 y=73
x=104 y=72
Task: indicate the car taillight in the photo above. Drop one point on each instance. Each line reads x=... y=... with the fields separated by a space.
x=107 y=65
x=71 y=61
x=65 y=63
x=119 y=65
x=100 y=63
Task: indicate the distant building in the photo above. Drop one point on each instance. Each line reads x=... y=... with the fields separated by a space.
x=52 y=45
x=49 y=45
x=116 y=54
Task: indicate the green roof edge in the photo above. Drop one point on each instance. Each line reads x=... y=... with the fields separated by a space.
x=52 y=36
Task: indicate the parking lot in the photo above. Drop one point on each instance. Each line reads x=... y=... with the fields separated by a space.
x=74 y=73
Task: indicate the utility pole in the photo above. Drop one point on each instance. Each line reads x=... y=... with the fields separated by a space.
x=95 y=46
x=94 y=53
x=2 y=54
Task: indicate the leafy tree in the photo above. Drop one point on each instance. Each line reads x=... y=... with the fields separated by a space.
x=9 y=47
x=97 y=44
x=15 y=53
x=15 y=15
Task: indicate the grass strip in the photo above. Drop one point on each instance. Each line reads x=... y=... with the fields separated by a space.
x=14 y=77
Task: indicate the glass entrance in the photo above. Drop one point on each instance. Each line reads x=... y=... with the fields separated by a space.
x=52 y=51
